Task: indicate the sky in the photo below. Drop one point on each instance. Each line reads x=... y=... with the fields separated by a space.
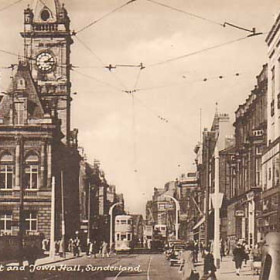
x=146 y=138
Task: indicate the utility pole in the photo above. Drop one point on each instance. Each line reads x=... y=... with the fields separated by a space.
x=52 y=235
x=62 y=213
x=207 y=142
x=89 y=213
x=217 y=199
x=111 y=223
x=177 y=209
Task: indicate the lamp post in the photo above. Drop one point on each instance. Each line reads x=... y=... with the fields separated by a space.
x=177 y=209
x=111 y=222
x=52 y=233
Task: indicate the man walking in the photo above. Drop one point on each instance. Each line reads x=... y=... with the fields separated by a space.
x=238 y=256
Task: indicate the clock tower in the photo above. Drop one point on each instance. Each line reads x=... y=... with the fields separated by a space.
x=47 y=41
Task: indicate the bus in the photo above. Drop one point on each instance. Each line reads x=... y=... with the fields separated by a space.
x=123 y=233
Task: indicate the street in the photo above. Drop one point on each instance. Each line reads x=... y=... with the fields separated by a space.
x=124 y=267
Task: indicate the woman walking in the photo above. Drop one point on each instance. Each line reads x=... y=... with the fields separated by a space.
x=238 y=256
x=209 y=266
x=187 y=265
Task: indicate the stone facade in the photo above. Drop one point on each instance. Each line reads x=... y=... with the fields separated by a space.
x=36 y=143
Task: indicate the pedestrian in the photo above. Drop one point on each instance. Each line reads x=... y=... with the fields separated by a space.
x=209 y=268
x=195 y=252
x=187 y=265
x=104 y=249
x=45 y=245
x=238 y=256
x=246 y=249
x=61 y=249
x=222 y=250
x=95 y=249
x=31 y=253
x=56 y=244
x=89 y=248
x=70 y=245
x=76 y=247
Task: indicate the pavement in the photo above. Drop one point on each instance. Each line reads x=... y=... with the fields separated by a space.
x=227 y=270
x=48 y=260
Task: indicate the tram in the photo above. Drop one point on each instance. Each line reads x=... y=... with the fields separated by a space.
x=123 y=233
x=161 y=230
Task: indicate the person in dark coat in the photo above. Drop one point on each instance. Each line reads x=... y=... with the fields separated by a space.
x=238 y=256
x=31 y=253
x=209 y=266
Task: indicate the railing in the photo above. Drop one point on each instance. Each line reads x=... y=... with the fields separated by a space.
x=16 y=193
x=46 y=27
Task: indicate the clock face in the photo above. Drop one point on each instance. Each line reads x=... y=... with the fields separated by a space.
x=45 y=62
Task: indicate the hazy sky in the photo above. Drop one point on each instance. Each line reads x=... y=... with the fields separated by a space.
x=137 y=148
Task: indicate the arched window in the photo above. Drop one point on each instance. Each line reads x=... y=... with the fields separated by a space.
x=6 y=171
x=31 y=171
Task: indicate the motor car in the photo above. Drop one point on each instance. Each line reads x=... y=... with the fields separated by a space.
x=174 y=257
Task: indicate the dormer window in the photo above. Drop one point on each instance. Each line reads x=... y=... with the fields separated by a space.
x=21 y=84
x=45 y=15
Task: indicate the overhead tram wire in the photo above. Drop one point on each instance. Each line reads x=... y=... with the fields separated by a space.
x=106 y=15
x=10 y=5
x=97 y=80
x=99 y=60
x=252 y=31
x=201 y=80
x=185 y=12
x=202 y=50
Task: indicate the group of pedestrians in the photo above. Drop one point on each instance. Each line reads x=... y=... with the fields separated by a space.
x=189 y=257
x=94 y=249
x=241 y=253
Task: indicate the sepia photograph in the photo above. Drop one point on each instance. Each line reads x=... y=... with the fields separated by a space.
x=139 y=140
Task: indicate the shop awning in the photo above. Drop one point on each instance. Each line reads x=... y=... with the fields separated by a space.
x=199 y=223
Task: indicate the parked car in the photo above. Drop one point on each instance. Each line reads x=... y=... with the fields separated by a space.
x=174 y=257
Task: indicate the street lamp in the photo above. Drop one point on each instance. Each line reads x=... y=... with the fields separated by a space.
x=177 y=214
x=217 y=200
x=111 y=222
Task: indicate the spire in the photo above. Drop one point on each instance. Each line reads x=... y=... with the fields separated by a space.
x=48 y=11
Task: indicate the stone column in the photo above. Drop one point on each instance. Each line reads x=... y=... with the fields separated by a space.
x=18 y=163
x=42 y=182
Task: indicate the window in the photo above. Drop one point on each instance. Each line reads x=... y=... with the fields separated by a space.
x=31 y=172
x=129 y=236
x=272 y=83
x=20 y=113
x=123 y=222
x=118 y=236
x=6 y=221
x=6 y=171
x=45 y=15
x=30 y=221
x=123 y=236
x=21 y=84
x=129 y=222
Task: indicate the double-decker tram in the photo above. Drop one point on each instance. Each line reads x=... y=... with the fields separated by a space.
x=123 y=233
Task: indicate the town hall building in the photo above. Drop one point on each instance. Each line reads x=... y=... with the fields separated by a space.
x=36 y=140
